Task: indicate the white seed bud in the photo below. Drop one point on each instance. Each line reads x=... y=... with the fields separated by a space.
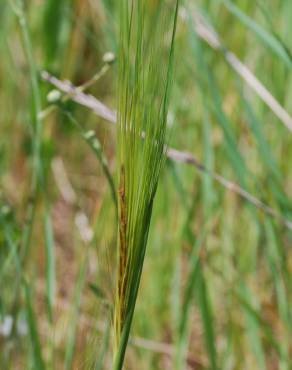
x=109 y=57
x=54 y=96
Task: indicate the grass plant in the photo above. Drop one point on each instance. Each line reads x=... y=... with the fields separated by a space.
x=147 y=31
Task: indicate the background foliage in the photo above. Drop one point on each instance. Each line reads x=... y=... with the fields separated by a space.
x=216 y=287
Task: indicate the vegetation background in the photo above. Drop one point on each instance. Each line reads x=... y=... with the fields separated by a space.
x=216 y=288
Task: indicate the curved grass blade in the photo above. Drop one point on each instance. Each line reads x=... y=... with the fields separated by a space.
x=268 y=39
x=231 y=146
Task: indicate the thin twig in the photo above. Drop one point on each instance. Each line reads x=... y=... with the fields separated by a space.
x=43 y=114
x=206 y=33
x=188 y=158
x=87 y=100
x=103 y=111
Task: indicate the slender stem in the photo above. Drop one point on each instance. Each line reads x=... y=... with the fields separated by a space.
x=95 y=145
x=36 y=126
x=77 y=90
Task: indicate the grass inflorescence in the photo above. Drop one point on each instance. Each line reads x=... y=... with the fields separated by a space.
x=147 y=32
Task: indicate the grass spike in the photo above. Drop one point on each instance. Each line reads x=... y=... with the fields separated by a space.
x=143 y=91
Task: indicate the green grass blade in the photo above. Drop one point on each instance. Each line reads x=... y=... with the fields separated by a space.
x=264 y=149
x=274 y=176
x=253 y=331
x=276 y=263
x=36 y=126
x=207 y=318
x=53 y=15
x=50 y=263
x=39 y=363
x=8 y=230
x=207 y=184
x=256 y=316
x=231 y=146
x=183 y=333
x=267 y=38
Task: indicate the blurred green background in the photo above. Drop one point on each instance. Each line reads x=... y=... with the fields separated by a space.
x=216 y=289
